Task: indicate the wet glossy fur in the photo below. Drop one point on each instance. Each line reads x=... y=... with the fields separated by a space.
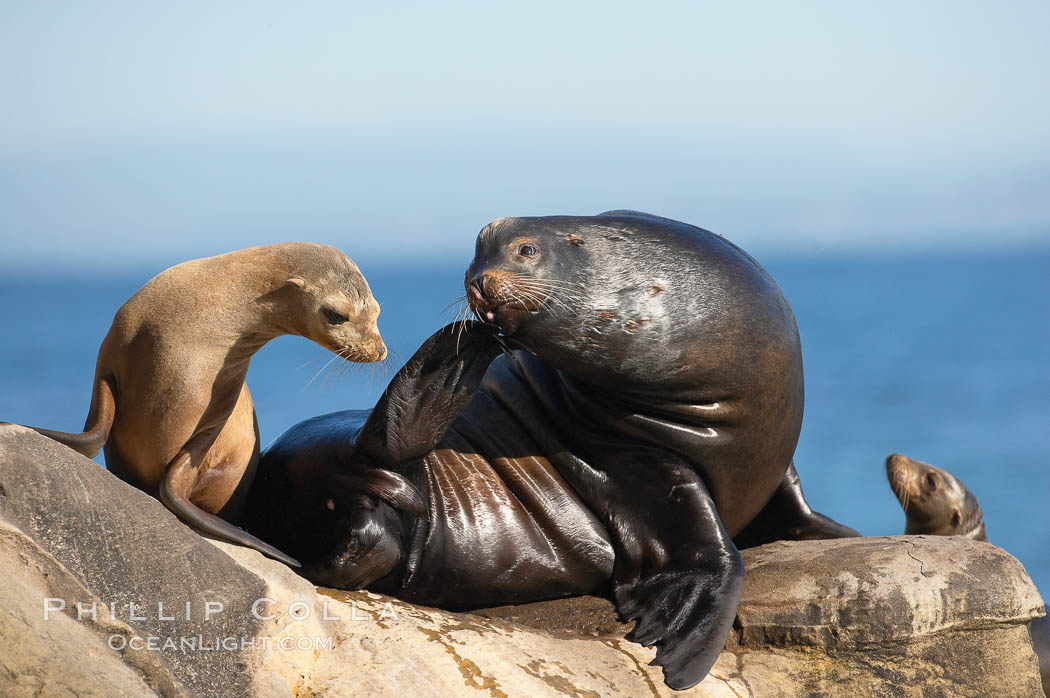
x=647 y=421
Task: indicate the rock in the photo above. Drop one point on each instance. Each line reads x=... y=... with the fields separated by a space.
x=116 y=545
x=899 y=616
x=904 y=615
x=1041 y=642
x=871 y=616
x=60 y=656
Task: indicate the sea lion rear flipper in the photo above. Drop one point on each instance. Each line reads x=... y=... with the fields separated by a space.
x=96 y=428
x=677 y=573
x=428 y=393
x=788 y=516
x=177 y=480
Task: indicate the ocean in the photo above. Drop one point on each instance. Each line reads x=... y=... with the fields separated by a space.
x=943 y=358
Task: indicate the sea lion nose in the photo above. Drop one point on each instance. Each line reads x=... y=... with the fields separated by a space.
x=894 y=461
x=477 y=286
x=380 y=349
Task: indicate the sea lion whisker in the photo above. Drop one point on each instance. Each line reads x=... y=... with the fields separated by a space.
x=353 y=361
x=905 y=492
x=381 y=370
x=320 y=371
x=308 y=362
x=547 y=300
x=333 y=372
x=459 y=335
x=546 y=283
x=547 y=287
x=524 y=285
x=461 y=314
x=358 y=367
x=570 y=291
x=541 y=286
x=522 y=296
x=522 y=299
x=341 y=367
x=460 y=300
x=553 y=282
x=385 y=367
x=551 y=299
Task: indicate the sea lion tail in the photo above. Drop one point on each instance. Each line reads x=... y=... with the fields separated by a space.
x=96 y=429
x=171 y=494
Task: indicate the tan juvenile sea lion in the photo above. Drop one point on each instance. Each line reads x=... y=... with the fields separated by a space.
x=935 y=502
x=169 y=402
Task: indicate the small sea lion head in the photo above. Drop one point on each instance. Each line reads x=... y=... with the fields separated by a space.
x=935 y=502
x=336 y=308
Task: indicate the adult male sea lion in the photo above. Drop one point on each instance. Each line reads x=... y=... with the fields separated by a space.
x=649 y=420
x=934 y=501
x=170 y=404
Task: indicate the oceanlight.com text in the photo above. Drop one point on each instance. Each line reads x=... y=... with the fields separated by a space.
x=201 y=643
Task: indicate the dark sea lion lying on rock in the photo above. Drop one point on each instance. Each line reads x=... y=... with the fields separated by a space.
x=170 y=404
x=642 y=433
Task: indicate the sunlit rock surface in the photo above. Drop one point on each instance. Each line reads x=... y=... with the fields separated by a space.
x=873 y=616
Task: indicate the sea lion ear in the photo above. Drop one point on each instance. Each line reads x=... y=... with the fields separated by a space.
x=295 y=281
x=427 y=394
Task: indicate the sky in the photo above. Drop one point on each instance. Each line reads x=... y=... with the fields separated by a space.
x=139 y=134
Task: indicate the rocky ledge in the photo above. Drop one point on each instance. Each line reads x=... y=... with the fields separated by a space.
x=103 y=592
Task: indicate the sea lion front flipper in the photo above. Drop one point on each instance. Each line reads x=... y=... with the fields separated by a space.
x=177 y=481
x=428 y=393
x=676 y=570
x=418 y=406
x=681 y=580
x=788 y=516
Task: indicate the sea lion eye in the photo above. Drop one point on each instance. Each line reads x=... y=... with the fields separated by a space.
x=528 y=251
x=956 y=519
x=333 y=317
x=931 y=482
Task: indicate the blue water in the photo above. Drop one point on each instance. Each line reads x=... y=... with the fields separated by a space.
x=944 y=359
